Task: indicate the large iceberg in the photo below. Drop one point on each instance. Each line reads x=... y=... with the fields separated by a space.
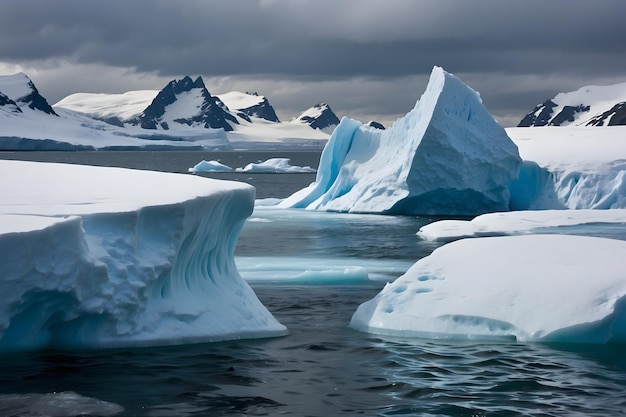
x=548 y=288
x=446 y=156
x=103 y=257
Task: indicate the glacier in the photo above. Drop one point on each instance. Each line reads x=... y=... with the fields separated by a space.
x=447 y=156
x=570 y=168
x=510 y=289
x=97 y=257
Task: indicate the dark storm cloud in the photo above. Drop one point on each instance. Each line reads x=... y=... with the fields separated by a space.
x=315 y=38
x=310 y=41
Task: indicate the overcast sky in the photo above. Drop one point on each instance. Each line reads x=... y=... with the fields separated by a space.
x=368 y=59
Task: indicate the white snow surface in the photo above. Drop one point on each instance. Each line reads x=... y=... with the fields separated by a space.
x=236 y=100
x=312 y=112
x=446 y=156
x=124 y=106
x=15 y=86
x=100 y=257
x=275 y=166
x=548 y=288
x=517 y=222
x=570 y=168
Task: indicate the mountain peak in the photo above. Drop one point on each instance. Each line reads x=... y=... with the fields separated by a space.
x=188 y=103
x=588 y=106
x=22 y=92
x=320 y=116
x=250 y=104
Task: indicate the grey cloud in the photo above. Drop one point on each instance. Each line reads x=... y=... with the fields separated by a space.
x=310 y=42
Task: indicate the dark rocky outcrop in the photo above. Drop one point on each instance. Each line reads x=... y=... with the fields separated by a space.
x=319 y=116
x=211 y=114
x=616 y=116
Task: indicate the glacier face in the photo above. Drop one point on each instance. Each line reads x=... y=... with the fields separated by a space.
x=103 y=257
x=446 y=156
x=570 y=168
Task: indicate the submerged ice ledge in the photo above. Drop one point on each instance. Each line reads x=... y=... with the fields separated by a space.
x=104 y=257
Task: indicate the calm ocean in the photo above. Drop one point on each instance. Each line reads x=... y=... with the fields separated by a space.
x=322 y=368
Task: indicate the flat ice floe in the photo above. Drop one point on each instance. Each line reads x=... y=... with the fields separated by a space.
x=548 y=288
x=102 y=257
x=517 y=222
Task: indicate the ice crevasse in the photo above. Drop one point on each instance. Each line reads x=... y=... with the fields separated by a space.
x=448 y=155
x=109 y=257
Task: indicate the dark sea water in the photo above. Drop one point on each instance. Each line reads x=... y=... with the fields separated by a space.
x=322 y=368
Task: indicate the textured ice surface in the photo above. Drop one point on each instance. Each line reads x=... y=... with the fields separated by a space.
x=446 y=156
x=550 y=288
x=101 y=257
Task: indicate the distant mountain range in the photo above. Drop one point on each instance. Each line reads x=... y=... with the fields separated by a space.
x=187 y=103
x=182 y=114
x=587 y=106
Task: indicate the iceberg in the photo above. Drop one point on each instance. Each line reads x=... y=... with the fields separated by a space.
x=544 y=288
x=446 y=156
x=210 y=166
x=96 y=257
x=518 y=222
x=275 y=166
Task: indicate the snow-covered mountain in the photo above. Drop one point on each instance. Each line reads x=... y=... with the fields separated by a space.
x=182 y=115
x=588 y=106
x=116 y=109
x=9 y=105
x=21 y=92
x=250 y=104
x=319 y=117
x=186 y=103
